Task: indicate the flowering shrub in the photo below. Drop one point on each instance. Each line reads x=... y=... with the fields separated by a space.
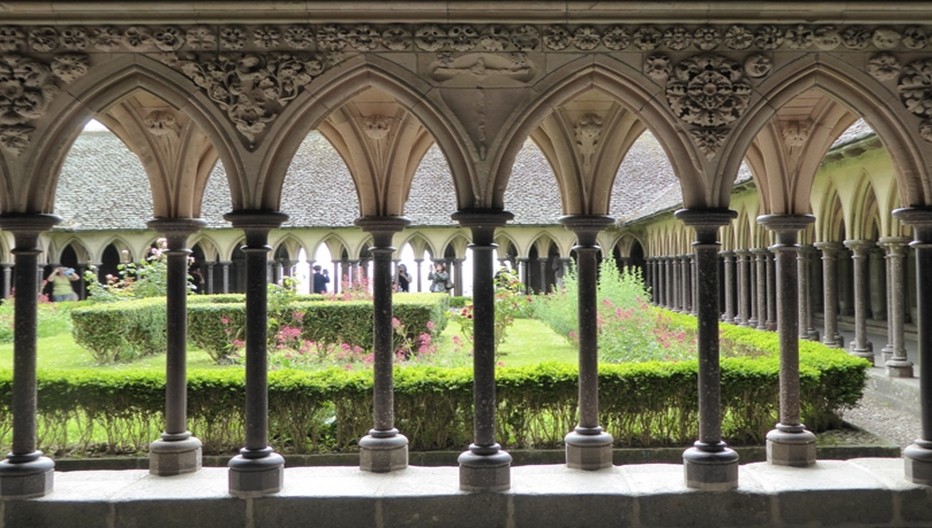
x=134 y=279
x=630 y=329
x=509 y=304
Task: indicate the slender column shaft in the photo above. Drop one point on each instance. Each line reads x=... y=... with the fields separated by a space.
x=729 y=259
x=918 y=455
x=689 y=279
x=25 y=472
x=225 y=275
x=210 y=277
x=383 y=449
x=789 y=443
x=257 y=470
x=670 y=286
x=760 y=261
x=176 y=451
x=860 y=346
x=709 y=464
x=744 y=287
x=771 y=292
x=485 y=467
x=802 y=270
x=897 y=365
x=830 y=291
x=7 y=279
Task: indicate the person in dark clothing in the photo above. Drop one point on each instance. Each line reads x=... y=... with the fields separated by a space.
x=320 y=280
x=404 y=278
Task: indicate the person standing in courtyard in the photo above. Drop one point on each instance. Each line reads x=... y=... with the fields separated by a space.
x=403 y=280
x=61 y=279
x=321 y=279
x=439 y=278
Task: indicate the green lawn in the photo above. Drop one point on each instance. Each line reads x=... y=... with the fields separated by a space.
x=528 y=342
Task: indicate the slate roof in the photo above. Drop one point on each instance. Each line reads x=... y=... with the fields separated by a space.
x=103 y=186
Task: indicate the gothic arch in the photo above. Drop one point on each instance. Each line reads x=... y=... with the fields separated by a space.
x=102 y=87
x=851 y=87
x=631 y=90
x=335 y=88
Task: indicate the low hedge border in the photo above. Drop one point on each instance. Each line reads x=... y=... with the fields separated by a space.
x=642 y=404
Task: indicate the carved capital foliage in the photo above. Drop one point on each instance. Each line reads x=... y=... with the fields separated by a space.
x=796 y=133
x=588 y=132
x=251 y=88
x=883 y=66
x=161 y=123
x=915 y=89
x=27 y=86
x=377 y=126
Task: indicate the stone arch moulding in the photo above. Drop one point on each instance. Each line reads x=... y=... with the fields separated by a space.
x=634 y=91
x=861 y=94
x=103 y=86
x=864 y=209
x=336 y=87
x=58 y=247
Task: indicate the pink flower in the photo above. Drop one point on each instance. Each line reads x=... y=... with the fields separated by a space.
x=430 y=326
x=396 y=323
x=225 y=320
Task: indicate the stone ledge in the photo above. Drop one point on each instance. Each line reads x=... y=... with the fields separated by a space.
x=859 y=492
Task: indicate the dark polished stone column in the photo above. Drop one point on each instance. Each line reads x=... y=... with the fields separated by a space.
x=803 y=269
x=458 y=276
x=176 y=451
x=771 y=323
x=830 y=291
x=861 y=346
x=652 y=275
x=25 y=472
x=689 y=278
x=7 y=279
x=897 y=364
x=210 y=277
x=384 y=449
x=918 y=455
x=710 y=464
x=677 y=290
x=669 y=283
x=485 y=466
x=760 y=261
x=588 y=446
x=790 y=443
x=744 y=284
x=258 y=470
x=729 y=259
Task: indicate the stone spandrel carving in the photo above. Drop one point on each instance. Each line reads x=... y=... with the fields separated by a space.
x=657 y=67
x=251 y=88
x=588 y=132
x=478 y=66
x=883 y=66
x=708 y=91
x=377 y=127
x=757 y=65
x=915 y=38
x=27 y=86
x=161 y=123
x=709 y=140
x=796 y=133
x=915 y=89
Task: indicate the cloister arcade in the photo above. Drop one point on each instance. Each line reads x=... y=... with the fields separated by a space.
x=772 y=85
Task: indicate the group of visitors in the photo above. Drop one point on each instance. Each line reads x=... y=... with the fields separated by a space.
x=439 y=279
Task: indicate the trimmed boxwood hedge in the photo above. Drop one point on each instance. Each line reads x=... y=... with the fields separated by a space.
x=130 y=329
x=642 y=404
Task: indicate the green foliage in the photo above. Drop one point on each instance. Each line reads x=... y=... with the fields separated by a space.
x=53 y=319
x=134 y=280
x=121 y=331
x=642 y=404
x=509 y=303
x=630 y=329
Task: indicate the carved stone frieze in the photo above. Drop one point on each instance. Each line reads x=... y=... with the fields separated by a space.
x=709 y=140
x=478 y=66
x=657 y=67
x=708 y=91
x=27 y=86
x=915 y=89
x=456 y=37
x=757 y=65
x=883 y=66
x=251 y=88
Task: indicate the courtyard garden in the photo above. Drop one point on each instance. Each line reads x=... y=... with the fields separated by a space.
x=101 y=370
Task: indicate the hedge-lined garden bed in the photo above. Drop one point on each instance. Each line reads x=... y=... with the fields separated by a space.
x=642 y=404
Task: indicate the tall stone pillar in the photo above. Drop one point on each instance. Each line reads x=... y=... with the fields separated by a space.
x=669 y=283
x=458 y=276
x=861 y=346
x=177 y=451
x=25 y=472
x=258 y=470
x=729 y=259
x=790 y=443
x=210 y=277
x=771 y=322
x=485 y=466
x=710 y=464
x=918 y=455
x=897 y=364
x=689 y=305
x=830 y=291
x=654 y=283
x=225 y=275
x=542 y=270
x=7 y=279
x=877 y=284
x=744 y=282
x=760 y=261
x=803 y=268
x=384 y=449
x=420 y=279
x=588 y=446
x=524 y=274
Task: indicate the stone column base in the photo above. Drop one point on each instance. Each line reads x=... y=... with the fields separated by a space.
x=918 y=459
x=710 y=470
x=174 y=457
x=485 y=472
x=256 y=477
x=886 y=353
x=896 y=368
x=381 y=455
x=25 y=480
x=786 y=448
x=588 y=451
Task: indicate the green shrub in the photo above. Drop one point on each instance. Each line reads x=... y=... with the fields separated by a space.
x=121 y=331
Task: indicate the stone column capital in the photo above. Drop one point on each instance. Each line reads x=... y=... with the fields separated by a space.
x=27 y=227
x=727 y=254
x=256 y=224
x=706 y=222
x=859 y=247
x=586 y=227
x=786 y=226
x=482 y=223
x=176 y=230
x=828 y=248
x=893 y=243
x=382 y=228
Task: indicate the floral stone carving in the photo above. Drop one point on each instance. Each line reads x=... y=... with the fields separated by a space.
x=915 y=88
x=588 y=132
x=251 y=88
x=27 y=86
